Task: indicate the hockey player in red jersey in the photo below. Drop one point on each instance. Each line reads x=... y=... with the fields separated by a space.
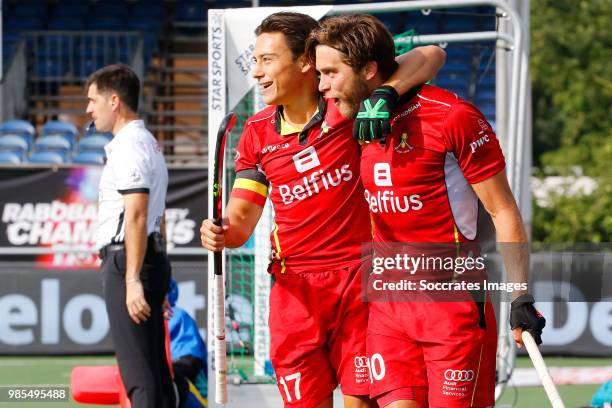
x=301 y=153
x=422 y=186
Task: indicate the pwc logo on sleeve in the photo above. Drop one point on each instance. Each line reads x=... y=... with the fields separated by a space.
x=306 y=160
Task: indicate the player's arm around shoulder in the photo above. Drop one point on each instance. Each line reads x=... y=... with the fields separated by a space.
x=416 y=67
x=373 y=121
x=241 y=217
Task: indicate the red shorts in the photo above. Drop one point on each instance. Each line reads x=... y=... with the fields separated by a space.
x=441 y=354
x=317 y=329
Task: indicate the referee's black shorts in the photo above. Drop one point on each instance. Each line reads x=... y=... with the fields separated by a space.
x=140 y=348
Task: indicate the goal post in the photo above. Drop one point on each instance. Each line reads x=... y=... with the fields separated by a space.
x=231 y=42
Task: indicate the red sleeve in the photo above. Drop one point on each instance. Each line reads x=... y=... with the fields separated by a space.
x=247 y=151
x=251 y=183
x=471 y=138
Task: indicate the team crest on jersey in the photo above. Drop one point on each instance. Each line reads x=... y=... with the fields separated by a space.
x=483 y=125
x=403 y=146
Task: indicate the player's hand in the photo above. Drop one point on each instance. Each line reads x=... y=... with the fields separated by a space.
x=373 y=121
x=213 y=236
x=137 y=306
x=524 y=316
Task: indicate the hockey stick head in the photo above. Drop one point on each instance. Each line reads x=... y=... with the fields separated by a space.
x=225 y=128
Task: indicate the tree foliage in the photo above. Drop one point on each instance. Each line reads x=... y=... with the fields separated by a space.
x=571 y=59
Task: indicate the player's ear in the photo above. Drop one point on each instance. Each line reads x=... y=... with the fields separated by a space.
x=114 y=99
x=370 y=70
x=305 y=64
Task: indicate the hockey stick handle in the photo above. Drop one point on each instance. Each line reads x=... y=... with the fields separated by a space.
x=219 y=326
x=219 y=289
x=542 y=370
x=220 y=344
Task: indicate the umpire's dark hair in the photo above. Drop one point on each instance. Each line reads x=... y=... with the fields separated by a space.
x=361 y=38
x=120 y=79
x=295 y=26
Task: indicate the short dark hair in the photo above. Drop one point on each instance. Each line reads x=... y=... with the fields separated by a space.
x=361 y=38
x=120 y=79
x=295 y=26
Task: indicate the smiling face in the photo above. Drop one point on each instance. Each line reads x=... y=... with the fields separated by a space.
x=101 y=108
x=339 y=81
x=277 y=72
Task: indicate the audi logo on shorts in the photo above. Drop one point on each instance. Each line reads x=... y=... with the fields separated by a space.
x=459 y=375
x=362 y=362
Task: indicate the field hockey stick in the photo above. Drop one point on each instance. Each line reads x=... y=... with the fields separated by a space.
x=542 y=370
x=219 y=294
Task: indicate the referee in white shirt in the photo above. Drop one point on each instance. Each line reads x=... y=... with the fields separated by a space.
x=135 y=268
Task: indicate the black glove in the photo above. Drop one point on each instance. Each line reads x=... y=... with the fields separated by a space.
x=527 y=317
x=373 y=121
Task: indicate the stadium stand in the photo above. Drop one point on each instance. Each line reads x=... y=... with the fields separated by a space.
x=54 y=143
x=46 y=157
x=89 y=158
x=16 y=144
x=166 y=42
x=93 y=143
x=9 y=158
x=18 y=127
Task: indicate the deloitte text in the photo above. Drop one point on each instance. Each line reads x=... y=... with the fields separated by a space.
x=387 y=202
x=314 y=184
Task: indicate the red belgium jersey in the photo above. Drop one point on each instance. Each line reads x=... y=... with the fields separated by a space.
x=418 y=185
x=321 y=219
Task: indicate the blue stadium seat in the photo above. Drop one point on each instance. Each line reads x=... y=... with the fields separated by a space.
x=9 y=158
x=58 y=128
x=104 y=9
x=191 y=11
x=149 y=9
x=47 y=158
x=55 y=127
x=54 y=46
x=145 y=24
x=30 y=9
x=89 y=129
x=94 y=142
x=50 y=68
x=106 y=24
x=18 y=127
x=71 y=8
x=86 y=66
x=23 y=23
x=16 y=144
x=67 y=23
x=54 y=143
x=89 y=158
